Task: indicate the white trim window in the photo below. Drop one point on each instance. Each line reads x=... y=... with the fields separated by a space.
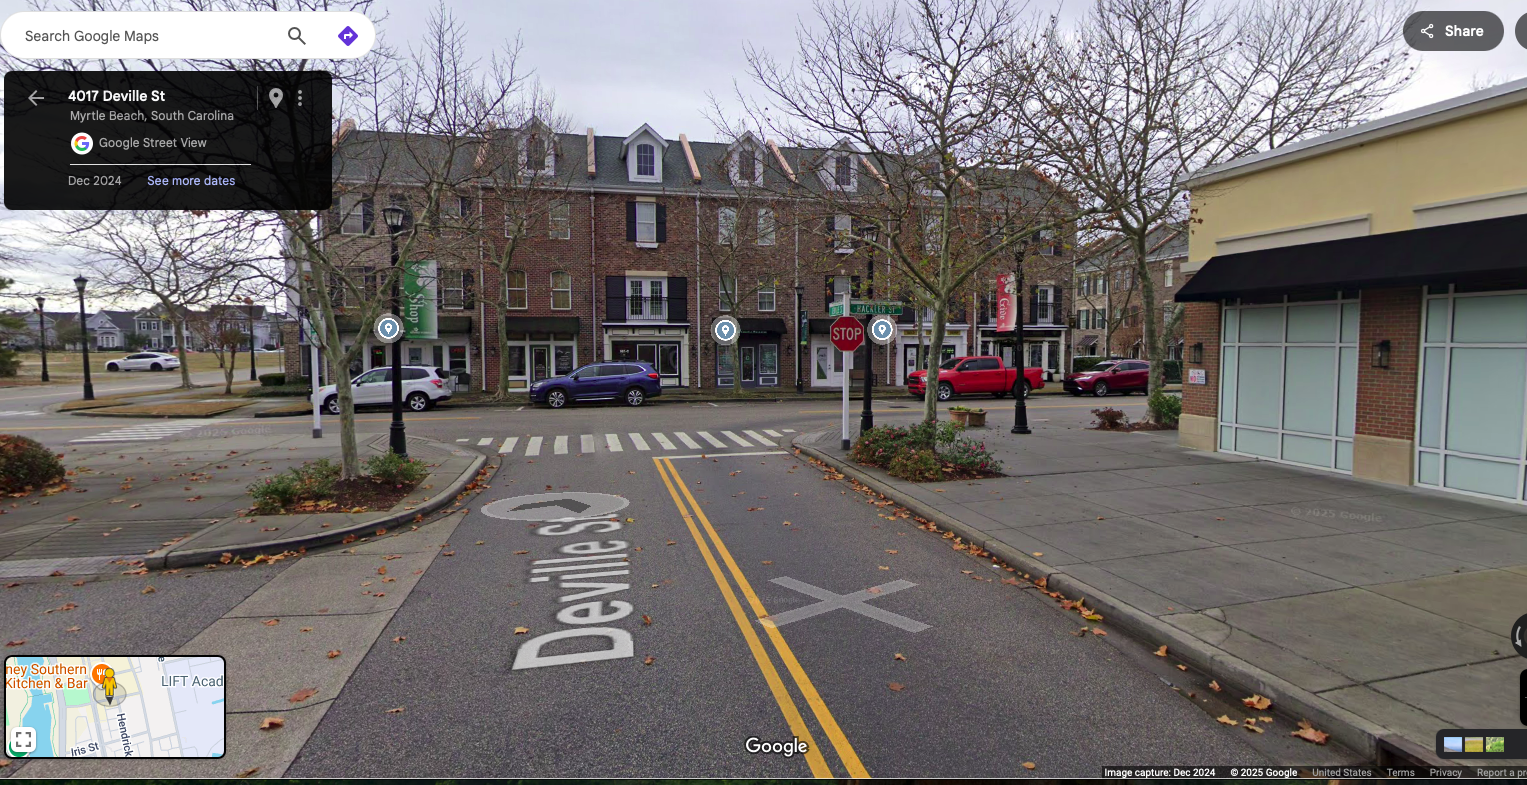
x=646 y=160
x=726 y=225
x=745 y=167
x=645 y=299
x=1167 y=276
x=559 y=220
x=932 y=229
x=455 y=289
x=726 y=292
x=511 y=220
x=765 y=226
x=646 y=222
x=766 y=301
x=516 y=296
x=843 y=233
x=841 y=172
x=356 y=214
x=1049 y=245
x=561 y=291
x=540 y=156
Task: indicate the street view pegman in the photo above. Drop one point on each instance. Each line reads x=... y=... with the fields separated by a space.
x=917 y=389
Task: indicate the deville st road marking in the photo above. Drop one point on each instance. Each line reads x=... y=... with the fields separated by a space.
x=856 y=602
x=561 y=506
x=829 y=724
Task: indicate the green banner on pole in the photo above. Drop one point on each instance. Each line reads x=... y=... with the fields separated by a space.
x=420 y=321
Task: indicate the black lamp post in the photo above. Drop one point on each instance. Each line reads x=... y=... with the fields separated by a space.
x=249 y=306
x=800 y=334
x=79 y=285
x=42 y=338
x=1020 y=401
x=395 y=216
x=867 y=413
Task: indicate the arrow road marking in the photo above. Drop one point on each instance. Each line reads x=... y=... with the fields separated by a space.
x=569 y=504
x=856 y=602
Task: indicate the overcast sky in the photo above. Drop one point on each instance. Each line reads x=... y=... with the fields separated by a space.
x=615 y=64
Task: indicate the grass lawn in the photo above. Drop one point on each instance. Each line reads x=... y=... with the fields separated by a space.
x=65 y=366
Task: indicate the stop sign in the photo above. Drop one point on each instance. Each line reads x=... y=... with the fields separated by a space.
x=847 y=333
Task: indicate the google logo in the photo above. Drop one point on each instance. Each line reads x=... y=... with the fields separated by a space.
x=82 y=143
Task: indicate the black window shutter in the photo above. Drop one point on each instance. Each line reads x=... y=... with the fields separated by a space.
x=677 y=292
x=662 y=224
x=856 y=287
x=630 y=222
x=832 y=226
x=615 y=297
x=614 y=286
x=830 y=297
x=468 y=289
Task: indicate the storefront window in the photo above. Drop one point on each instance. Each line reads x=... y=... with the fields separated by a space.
x=564 y=359
x=668 y=359
x=724 y=363
x=459 y=357
x=768 y=359
x=515 y=359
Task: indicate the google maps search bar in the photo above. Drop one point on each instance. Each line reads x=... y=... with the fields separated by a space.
x=190 y=35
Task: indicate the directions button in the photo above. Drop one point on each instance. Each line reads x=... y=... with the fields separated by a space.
x=1455 y=31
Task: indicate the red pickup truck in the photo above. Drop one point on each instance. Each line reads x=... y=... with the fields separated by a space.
x=975 y=376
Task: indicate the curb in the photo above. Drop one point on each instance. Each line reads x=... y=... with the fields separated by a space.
x=1375 y=742
x=175 y=557
x=99 y=413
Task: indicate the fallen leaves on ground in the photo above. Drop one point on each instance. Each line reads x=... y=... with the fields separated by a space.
x=1308 y=733
x=899 y=656
x=1257 y=702
x=306 y=629
x=75 y=628
x=1028 y=764
x=1214 y=685
x=400 y=639
x=68 y=606
x=247 y=772
x=896 y=686
x=1225 y=720
x=1161 y=652
x=21 y=642
x=398 y=710
x=148 y=590
x=521 y=630
x=272 y=723
x=521 y=553
x=381 y=570
x=649 y=660
x=646 y=620
x=302 y=694
x=272 y=622
x=1181 y=667
x=333 y=653
x=1251 y=725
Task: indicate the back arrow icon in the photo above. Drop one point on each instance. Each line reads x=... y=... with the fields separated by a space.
x=34 y=98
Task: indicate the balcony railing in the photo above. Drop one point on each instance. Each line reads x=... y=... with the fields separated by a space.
x=642 y=309
x=667 y=308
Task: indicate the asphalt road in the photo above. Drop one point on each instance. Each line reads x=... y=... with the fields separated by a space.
x=989 y=676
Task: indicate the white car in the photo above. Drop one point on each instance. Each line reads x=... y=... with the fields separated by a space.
x=144 y=361
x=423 y=387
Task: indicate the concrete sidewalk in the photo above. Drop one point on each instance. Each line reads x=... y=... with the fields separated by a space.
x=176 y=502
x=1380 y=613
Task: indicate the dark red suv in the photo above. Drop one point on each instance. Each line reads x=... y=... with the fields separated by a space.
x=1121 y=376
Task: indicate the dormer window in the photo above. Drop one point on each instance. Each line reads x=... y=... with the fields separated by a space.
x=840 y=172
x=646 y=160
x=539 y=157
x=747 y=166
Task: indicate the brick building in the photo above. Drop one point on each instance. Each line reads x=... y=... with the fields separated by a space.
x=645 y=241
x=1107 y=315
x=1358 y=301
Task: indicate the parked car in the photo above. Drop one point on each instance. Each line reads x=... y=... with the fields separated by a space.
x=631 y=382
x=975 y=376
x=1121 y=376
x=144 y=361
x=423 y=387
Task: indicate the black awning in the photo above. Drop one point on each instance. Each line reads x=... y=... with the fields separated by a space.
x=542 y=324
x=821 y=326
x=1476 y=252
x=756 y=324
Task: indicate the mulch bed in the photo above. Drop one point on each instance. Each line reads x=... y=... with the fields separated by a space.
x=1137 y=426
x=362 y=494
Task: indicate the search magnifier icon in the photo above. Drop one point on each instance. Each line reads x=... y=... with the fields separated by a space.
x=295 y=34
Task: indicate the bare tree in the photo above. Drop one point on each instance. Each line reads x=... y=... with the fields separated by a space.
x=904 y=114
x=1147 y=91
x=179 y=260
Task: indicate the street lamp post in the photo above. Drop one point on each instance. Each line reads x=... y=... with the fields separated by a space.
x=42 y=338
x=1020 y=401
x=397 y=437
x=249 y=306
x=800 y=334
x=79 y=285
x=867 y=413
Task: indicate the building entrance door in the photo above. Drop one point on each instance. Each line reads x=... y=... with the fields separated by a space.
x=540 y=362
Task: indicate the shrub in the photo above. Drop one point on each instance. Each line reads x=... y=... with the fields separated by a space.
x=1164 y=407
x=393 y=469
x=876 y=446
x=916 y=465
x=1110 y=419
x=308 y=482
x=25 y=464
x=1171 y=371
x=272 y=379
x=10 y=362
x=971 y=456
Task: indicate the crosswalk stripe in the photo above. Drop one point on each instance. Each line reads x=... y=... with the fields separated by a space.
x=586 y=443
x=775 y=434
x=636 y=439
x=459 y=441
x=788 y=430
x=758 y=437
x=738 y=439
x=559 y=447
x=485 y=441
x=613 y=442
x=688 y=442
x=533 y=447
x=713 y=440
x=508 y=445
x=663 y=441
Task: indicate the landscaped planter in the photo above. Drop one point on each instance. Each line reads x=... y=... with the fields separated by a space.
x=969 y=418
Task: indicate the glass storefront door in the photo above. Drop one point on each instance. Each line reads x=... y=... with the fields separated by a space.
x=540 y=363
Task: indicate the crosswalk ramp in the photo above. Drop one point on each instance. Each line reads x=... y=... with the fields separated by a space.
x=145 y=432
x=634 y=441
x=18 y=414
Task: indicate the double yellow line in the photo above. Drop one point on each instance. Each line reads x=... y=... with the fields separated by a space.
x=689 y=510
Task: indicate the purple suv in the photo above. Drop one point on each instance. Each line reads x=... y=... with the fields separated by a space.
x=631 y=382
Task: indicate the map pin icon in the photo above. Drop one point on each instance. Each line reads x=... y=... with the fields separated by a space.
x=275 y=97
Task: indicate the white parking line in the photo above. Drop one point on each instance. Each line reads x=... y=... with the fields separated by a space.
x=758 y=437
x=533 y=447
x=688 y=442
x=738 y=439
x=731 y=454
x=559 y=447
x=508 y=445
x=636 y=439
x=663 y=441
x=586 y=444
x=613 y=442
x=714 y=442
